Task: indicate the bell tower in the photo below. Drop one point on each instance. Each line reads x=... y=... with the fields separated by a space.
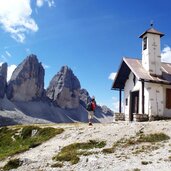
x=151 y=56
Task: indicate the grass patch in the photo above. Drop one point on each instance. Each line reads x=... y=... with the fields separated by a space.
x=16 y=140
x=12 y=164
x=157 y=137
x=136 y=169
x=72 y=152
x=138 y=139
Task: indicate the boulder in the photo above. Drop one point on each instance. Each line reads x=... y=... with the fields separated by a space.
x=64 y=89
x=3 y=79
x=27 y=81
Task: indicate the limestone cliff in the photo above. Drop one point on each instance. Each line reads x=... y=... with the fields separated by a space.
x=3 y=79
x=64 y=89
x=27 y=81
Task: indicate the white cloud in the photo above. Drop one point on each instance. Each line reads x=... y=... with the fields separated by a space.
x=15 y=18
x=3 y=58
x=112 y=76
x=51 y=3
x=40 y=3
x=28 y=51
x=10 y=70
x=46 y=66
x=166 y=54
x=7 y=53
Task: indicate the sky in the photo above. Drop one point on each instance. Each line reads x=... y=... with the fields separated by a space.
x=89 y=36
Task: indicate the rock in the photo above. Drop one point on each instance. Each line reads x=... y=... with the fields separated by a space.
x=3 y=79
x=64 y=89
x=27 y=81
x=84 y=97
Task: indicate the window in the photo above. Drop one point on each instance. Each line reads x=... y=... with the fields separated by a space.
x=134 y=80
x=168 y=98
x=126 y=101
x=145 y=43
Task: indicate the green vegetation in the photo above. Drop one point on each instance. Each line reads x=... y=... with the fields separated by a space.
x=72 y=152
x=136 y=169
x=19 y=139
x=157 y=137
x=145 y=162
x=140 y=138
x=12 y=164
x=169 y=158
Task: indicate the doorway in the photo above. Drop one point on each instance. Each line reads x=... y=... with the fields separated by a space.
x=134 y=104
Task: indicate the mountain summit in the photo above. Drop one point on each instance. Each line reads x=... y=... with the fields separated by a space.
x=64 y=89
x=27 y=81
x=24 y=100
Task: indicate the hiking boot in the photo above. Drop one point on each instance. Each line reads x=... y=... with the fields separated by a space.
x=90 y=124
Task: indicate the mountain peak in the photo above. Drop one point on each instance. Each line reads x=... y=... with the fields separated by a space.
x=64 y=88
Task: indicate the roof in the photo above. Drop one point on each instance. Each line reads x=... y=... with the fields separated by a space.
x=152 y=31
x=135 y=65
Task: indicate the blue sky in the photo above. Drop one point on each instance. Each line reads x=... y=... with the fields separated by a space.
x=90 y=36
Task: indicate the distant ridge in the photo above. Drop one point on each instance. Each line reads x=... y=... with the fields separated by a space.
x=24 y=100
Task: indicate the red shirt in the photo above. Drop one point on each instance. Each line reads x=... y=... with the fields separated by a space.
x=93 y=105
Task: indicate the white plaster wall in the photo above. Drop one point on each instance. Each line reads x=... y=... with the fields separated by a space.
x=146 y=97
x=129 y=86
x=154 y=99
x=151 y=58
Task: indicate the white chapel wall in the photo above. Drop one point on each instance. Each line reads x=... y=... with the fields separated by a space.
x=129 y=86
x=154 y=99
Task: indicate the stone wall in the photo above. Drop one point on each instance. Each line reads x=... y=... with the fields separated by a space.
x=157 y=118
x=141 y=117
x=119 y=117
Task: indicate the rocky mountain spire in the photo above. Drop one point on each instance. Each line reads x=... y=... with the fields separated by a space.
x=3 y=79
x=27 y=81
x=64 y=89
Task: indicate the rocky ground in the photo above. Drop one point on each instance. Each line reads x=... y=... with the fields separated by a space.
x=144 y=157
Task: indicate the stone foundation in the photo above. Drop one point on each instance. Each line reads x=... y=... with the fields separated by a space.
x=157 y=118
x=141 y=117
x=119 y=117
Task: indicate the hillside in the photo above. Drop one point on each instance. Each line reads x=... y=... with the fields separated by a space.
x=128 y=148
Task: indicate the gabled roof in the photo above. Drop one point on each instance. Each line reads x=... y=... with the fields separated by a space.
x=152 y=31
x=135 y=65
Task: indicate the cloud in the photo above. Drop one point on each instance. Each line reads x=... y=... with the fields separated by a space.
x=166 y=54
x=112 y=76
x=7 y=53
x=3 y=58
x=15 y=18
x=10 y=70
x=40 y=3
x=46 y=66
x=28 y=51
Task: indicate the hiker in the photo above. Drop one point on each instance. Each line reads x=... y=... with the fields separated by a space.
x=91 y=108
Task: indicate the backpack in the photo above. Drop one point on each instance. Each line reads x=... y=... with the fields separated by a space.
x=89 y=106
